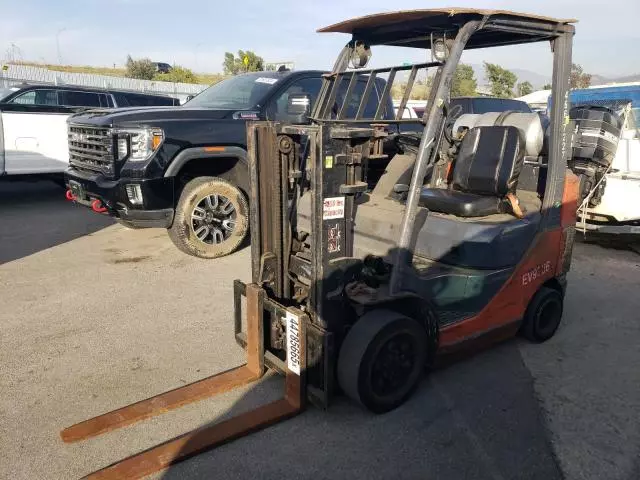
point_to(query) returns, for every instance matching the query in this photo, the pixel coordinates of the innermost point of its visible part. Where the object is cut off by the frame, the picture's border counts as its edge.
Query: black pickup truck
(184, 168)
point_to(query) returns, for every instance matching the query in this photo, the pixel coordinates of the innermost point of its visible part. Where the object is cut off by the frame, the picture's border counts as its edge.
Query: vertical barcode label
(293, 343)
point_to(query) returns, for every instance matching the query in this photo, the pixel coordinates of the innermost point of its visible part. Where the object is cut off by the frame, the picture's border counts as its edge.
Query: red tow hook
(70, 196)
(97, 207)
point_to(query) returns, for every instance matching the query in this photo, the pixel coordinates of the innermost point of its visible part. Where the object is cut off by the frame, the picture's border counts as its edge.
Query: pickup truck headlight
(138, 144)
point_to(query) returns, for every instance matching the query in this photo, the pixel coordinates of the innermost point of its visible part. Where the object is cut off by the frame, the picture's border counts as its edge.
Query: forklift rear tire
(211, 219)
(382, 359)
(543, 315)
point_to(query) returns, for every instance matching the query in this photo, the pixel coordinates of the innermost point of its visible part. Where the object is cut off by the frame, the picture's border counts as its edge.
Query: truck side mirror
(299, 107)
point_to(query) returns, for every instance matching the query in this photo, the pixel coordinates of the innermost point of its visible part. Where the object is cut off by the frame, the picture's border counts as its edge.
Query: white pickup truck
(33, 124)
(33, 141)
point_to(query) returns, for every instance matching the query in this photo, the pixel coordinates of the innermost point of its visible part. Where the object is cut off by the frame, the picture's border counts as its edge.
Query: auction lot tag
(333, 207)
(293, 342)
(268, 80)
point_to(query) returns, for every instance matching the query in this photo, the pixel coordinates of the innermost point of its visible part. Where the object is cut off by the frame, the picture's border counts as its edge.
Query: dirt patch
(137, 259)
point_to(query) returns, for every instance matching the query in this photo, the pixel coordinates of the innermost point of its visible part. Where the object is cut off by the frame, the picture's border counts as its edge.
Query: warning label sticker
(333, 239)
(333, 207)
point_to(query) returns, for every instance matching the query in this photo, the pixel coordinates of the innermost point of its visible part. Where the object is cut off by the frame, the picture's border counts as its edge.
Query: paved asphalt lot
(94, 316)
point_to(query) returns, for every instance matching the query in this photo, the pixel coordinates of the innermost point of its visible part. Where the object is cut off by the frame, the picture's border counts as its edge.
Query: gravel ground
(108, 316)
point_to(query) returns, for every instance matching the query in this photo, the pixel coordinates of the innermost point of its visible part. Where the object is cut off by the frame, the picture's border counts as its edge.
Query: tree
(502, 80)
(578, 78)
(142, 69)
(246, 61)
(524, 88)
(547, 86)
(177, 75)
(420, 90)
(464, 82)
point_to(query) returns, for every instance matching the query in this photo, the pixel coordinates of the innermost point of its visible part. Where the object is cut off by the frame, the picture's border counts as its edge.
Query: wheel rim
(548, 316)
(393, 365)
(213, 219)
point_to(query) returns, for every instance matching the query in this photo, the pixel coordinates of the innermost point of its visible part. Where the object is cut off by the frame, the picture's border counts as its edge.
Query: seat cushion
(489, 161)
(460, 204)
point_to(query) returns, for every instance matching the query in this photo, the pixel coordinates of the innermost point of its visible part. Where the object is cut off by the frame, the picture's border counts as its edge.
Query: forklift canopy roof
(413, 28)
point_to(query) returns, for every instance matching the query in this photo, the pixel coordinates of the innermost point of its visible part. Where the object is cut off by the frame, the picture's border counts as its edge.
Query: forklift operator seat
(486, 171)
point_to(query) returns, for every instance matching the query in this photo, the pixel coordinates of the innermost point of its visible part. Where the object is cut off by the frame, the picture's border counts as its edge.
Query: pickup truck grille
(91, 148)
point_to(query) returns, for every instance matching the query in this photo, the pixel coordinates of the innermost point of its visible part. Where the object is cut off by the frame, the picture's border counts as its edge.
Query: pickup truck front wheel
(211, 219)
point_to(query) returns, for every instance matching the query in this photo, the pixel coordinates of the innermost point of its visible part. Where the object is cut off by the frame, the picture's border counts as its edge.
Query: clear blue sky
(196, 33)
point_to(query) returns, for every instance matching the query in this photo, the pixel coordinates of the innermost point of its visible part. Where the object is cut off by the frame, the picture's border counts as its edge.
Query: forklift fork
(206, 438)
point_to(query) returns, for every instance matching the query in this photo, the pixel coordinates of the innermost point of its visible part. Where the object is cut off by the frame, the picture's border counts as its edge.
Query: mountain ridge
(538, 80)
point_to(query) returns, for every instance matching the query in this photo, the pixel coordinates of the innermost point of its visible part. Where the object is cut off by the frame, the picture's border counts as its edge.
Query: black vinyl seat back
(489, 161)
(486, 171)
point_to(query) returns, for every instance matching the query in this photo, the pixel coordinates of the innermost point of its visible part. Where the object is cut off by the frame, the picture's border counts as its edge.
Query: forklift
(378, 251)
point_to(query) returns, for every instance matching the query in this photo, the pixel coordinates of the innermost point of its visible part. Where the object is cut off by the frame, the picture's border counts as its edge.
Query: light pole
(58, 44)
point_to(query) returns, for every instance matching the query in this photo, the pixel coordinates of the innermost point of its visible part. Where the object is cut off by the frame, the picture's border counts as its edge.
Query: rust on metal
(293, 391)
(190, 444)
(197, 441)
(159, 404)
(206, 438)
(382, 19)
(208, 387)
(255, 335)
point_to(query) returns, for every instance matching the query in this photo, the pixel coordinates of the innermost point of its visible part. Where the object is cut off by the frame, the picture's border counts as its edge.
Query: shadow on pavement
(616, 242)
(476, 419)
(36, 215)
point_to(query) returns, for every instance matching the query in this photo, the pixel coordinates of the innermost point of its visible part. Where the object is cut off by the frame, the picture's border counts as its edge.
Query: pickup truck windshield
(236, 93)
(5, 92)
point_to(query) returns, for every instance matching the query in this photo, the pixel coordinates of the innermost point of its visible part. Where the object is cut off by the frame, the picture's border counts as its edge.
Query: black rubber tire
(543, 315)
(181, 231)
(360, 350)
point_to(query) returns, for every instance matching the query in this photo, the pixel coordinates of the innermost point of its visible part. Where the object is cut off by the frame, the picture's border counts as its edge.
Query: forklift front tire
(543, 315)
(382, 359)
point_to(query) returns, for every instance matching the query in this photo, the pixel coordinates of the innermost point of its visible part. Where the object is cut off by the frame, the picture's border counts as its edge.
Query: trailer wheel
(382, 359)
(211, 218)
(543, 315)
